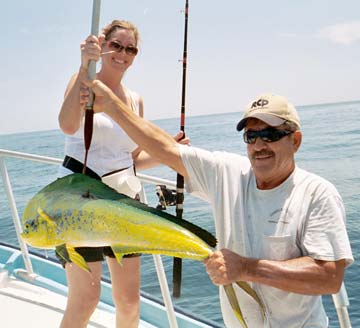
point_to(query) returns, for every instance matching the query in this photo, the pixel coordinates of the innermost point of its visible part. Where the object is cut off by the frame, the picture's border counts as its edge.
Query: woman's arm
(76, 93)
(72, 108)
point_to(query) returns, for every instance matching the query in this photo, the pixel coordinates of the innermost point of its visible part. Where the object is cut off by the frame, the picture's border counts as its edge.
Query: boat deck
(27, 305)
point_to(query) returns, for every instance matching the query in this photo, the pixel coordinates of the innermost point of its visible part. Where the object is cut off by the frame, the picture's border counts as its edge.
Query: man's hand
(104, 97)
(225, 267)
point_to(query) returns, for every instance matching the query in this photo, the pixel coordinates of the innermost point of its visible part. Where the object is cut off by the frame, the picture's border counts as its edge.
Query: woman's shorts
(90, 254)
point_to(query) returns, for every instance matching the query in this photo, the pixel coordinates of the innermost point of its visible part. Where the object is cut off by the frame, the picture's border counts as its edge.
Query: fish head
(39, 231)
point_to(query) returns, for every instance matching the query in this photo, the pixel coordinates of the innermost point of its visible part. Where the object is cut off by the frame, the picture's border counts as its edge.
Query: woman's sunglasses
(116, 46)
(266, 135)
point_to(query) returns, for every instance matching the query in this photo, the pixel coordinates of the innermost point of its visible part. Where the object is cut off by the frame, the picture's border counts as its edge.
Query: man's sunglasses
(266, 135)
(129, 50)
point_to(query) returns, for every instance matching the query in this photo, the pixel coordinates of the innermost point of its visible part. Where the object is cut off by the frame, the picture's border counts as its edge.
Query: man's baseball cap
(272, 109)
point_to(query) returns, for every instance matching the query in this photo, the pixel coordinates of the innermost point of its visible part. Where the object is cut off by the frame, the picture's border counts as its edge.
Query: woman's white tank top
(110, 147)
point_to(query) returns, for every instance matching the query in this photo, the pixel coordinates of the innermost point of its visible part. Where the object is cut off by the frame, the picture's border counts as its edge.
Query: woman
(111, 150)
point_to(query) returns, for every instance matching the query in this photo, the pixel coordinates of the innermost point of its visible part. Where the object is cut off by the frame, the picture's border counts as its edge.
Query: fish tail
(247, 289)
(230, 293)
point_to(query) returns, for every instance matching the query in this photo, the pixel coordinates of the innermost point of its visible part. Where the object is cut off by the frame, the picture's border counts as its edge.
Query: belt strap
(116, 171)
(77, 167)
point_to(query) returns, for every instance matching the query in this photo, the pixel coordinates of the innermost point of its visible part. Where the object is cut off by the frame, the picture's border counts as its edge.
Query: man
(279, 227)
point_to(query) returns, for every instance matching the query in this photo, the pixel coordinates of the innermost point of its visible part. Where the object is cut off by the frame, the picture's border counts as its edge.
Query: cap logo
(259, 103)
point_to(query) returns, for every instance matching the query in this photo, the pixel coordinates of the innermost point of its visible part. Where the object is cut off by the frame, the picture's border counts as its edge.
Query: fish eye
(30, 224)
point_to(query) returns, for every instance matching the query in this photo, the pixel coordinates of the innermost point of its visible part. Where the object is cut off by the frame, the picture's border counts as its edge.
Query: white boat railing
(340, 299)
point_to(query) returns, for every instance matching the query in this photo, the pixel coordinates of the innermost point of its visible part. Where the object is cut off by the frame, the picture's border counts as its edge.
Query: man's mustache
(262, 153)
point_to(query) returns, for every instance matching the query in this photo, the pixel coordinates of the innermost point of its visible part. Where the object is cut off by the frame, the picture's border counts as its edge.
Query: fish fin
(61, 251)
(230, 293)
(76, 258)
(50, 221)
(120, 251)
(247, 289)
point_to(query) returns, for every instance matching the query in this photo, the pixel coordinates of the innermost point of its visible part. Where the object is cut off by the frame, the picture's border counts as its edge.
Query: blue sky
(306, 50)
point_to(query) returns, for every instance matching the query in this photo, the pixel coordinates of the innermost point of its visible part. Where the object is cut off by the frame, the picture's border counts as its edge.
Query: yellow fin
(119, 252)
(46, 217)
(247, 289)
(230, 293)
(76, 258)
(62, 252)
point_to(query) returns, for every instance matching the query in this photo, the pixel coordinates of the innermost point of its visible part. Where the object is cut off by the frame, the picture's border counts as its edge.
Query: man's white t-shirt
(304, 216)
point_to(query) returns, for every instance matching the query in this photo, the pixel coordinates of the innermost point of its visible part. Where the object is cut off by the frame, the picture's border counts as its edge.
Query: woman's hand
(91, 50)
(179, 138)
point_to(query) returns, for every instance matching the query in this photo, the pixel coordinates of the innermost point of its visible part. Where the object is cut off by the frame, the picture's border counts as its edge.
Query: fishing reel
(167, 197)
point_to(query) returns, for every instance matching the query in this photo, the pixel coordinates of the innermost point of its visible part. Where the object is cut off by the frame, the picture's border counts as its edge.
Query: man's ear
(297, 138)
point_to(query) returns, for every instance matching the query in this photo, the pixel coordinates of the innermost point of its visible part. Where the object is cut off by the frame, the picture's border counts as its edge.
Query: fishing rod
(177, 264)
(89, 112)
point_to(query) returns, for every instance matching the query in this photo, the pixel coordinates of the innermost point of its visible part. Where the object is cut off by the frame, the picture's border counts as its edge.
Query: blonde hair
(123, 25)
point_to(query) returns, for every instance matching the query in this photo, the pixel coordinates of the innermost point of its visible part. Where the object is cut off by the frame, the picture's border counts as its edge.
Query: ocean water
(330, 148)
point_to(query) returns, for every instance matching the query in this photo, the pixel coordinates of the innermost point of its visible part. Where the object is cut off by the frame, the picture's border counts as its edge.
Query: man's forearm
(301, 275)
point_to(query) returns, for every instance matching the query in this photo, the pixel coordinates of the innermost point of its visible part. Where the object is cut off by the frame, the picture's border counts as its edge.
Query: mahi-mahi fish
(76, 211)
